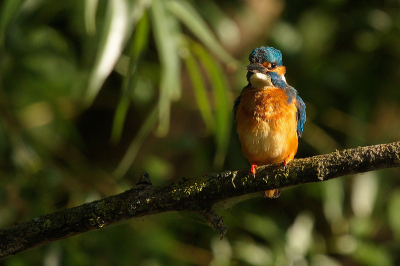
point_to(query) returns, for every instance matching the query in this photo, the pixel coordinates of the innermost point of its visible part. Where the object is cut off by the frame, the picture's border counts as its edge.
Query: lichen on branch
(198, 194)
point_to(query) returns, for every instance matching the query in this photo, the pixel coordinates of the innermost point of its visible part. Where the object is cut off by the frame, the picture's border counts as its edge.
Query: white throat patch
(259, 80)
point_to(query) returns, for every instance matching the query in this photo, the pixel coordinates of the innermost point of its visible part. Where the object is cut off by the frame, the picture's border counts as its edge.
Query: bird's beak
(256, 68)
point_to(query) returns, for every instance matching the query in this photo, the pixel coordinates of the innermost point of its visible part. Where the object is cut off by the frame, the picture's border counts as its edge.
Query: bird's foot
(253, 170)
(287, 160)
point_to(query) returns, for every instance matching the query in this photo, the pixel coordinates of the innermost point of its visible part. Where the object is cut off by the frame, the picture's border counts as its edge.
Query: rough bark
(199, 195)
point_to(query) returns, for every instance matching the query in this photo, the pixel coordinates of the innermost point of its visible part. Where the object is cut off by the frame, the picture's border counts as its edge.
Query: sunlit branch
(199, 195)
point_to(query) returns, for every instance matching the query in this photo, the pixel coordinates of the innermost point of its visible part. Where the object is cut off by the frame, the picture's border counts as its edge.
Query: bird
(269, 113)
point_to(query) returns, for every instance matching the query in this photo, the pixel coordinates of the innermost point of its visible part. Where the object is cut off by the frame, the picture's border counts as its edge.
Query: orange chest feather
(270, 105)
(266, 125)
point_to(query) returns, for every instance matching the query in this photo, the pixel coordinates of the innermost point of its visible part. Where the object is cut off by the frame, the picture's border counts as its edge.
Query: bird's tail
(273, 193)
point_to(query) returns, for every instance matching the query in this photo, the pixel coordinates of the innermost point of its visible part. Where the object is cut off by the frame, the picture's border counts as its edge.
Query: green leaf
(140, 38)
(90, 15)
(8, 10)
(110, 46)
(200, 92)
(165, 29)
(222, 102)
(119, 119)
(192, 19)
(138, 45)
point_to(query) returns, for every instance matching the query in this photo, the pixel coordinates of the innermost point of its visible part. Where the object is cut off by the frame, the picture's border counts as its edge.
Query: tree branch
(197, 195)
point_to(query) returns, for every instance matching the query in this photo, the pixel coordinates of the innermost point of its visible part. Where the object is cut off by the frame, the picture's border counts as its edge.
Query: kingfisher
(269, 113)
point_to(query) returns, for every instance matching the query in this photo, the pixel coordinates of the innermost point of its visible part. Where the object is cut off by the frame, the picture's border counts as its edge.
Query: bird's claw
(253, 170)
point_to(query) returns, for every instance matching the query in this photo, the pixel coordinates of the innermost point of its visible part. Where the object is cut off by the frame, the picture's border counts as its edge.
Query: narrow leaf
(191, 18)
(200, 92)
(90, 15)
(111, 45)
(222, 102)
(8, 10)
(138, 45)
(165, 29)
(119, 119)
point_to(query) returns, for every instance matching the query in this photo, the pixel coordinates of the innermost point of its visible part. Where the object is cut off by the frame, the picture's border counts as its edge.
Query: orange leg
(287, 160)
(253, 169)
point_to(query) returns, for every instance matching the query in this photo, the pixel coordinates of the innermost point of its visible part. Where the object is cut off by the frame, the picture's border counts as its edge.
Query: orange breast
(266, 125)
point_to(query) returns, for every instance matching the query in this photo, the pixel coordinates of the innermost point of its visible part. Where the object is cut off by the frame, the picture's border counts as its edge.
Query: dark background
(93, 92)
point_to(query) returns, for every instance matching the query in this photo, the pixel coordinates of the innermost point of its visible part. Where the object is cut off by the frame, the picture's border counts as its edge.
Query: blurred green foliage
(93, 92)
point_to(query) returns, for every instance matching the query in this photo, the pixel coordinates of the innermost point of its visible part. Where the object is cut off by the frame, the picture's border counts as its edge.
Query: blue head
(265, 54)
(266, 59)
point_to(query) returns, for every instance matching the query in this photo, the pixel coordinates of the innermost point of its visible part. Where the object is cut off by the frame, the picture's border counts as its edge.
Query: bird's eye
(272, 66)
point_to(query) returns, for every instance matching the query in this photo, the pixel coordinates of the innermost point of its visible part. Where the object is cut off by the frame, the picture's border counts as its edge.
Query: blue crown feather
(266, 54)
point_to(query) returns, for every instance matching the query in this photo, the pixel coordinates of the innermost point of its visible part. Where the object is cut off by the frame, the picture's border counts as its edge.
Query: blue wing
(235, 106)
(301, 115)
(277, 80)
(291, 93)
